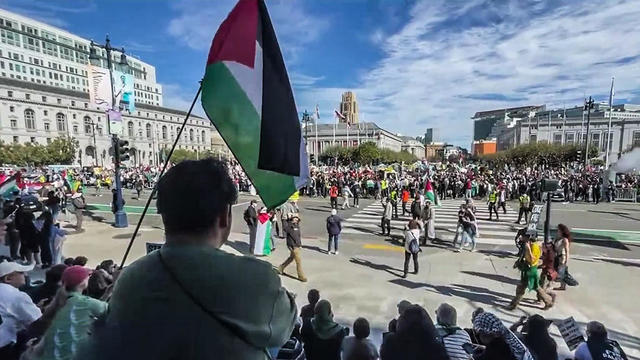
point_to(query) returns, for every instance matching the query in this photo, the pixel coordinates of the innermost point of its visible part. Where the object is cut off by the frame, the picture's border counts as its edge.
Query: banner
(99, 87)
(123, 89)
(115, 122)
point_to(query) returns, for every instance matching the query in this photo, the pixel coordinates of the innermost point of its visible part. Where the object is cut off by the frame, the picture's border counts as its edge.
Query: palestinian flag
(263, 235)
(430, 194)
(247, 96)
(9, 187)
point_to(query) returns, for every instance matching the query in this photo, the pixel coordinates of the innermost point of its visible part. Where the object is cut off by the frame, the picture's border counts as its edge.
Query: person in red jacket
(405, 200)
(333, 196)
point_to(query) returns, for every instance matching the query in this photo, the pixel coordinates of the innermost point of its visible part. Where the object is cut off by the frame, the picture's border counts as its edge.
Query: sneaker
(303, 279)
(335, 253)
(280, 270)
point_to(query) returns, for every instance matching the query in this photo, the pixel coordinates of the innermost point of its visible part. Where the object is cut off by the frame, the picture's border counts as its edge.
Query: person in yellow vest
(524, 208)
(384, 188)
(493, 198)
(527, 263)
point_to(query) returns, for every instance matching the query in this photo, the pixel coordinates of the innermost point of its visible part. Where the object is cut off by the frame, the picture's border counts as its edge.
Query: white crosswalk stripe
(367, 222)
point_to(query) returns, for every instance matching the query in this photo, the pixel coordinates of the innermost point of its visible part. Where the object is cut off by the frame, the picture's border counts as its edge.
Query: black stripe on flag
(280, 129)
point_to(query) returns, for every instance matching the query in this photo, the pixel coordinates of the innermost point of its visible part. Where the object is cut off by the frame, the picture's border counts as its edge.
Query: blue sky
(412, 63)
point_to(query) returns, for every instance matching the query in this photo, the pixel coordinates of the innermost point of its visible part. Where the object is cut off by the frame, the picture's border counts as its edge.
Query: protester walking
(346, 192)
(333, 196)
(385, 222)
(294, 243)
(405, 200)
(493, 198)
(428, 219)
(416, 208)
(411, 246)
(502, 199)
(356, 190)
(524, 208)
(334, 227)
(79, 203)
(562, 245)
(251, 218)
(528, 263)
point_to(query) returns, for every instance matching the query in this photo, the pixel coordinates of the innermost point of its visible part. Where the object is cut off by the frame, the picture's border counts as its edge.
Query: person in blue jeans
(334, 227)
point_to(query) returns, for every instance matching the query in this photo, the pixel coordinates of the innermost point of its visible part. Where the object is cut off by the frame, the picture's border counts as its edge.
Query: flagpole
(316, 146)
(606, 157)
(155, 186)
(348, 126)
(549, 129)
(564, 122)
(334, 130)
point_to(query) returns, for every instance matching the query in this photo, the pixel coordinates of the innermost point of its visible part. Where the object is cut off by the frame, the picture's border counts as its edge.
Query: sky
(413, 64)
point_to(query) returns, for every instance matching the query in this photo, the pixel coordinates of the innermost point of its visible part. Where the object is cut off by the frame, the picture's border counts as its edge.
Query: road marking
(240, 204)
(611, 231)
(383, 247)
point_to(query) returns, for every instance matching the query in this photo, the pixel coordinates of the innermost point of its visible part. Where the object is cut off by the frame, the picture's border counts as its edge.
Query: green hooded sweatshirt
(151, 317)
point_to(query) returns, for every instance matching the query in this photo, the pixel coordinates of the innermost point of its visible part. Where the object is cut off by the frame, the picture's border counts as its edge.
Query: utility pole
(588, 106)
(606, 156)
(120, 214)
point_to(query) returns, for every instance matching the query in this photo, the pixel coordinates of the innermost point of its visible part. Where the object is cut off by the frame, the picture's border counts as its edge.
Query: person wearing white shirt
(17, 310)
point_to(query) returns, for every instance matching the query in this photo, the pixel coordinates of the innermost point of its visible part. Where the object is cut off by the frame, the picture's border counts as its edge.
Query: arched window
(148, 131)
(191, 135)
(130, 129)
(88, 129)
(61, 122)
(164, 132)
(29, 119)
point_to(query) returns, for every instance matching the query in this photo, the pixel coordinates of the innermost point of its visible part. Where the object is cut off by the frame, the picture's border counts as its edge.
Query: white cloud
(197, 21)
(449, 61)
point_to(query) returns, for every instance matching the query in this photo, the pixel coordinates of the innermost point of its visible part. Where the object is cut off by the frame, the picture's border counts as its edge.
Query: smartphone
(468, 348)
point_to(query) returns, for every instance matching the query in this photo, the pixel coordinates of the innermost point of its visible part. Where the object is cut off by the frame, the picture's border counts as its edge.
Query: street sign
(570, 332)
(115, 122)
(532, 229)
(153, 247)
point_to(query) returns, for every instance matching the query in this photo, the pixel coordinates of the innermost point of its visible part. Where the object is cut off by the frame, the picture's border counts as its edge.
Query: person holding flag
(263, 246)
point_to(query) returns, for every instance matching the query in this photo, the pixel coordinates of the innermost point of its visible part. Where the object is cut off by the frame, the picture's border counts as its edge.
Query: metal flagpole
(348, 126)
(564, 122)
(334, 129)
(155, 186)
(606, 156)
(582, 124)
(316, 146)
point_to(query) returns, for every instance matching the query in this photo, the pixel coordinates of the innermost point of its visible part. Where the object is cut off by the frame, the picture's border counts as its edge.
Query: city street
(365, 278)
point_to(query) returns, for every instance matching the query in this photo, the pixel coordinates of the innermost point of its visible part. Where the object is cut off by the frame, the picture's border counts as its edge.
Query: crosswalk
(367, 222)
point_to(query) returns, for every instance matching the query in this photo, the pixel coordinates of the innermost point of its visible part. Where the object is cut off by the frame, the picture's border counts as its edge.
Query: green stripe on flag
(235, 117)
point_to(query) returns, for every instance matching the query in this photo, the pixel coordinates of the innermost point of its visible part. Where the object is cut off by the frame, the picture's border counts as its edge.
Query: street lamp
(94, 58)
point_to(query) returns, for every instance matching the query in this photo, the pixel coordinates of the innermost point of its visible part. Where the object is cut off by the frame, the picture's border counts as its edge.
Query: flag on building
(317, 113)
(339, 115)
(247, 96)
(430, 193)
(263, 235)
(612, 93)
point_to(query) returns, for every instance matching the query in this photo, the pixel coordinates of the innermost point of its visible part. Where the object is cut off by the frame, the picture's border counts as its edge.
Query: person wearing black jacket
(294, 243)
(334, 227)
(251, 218)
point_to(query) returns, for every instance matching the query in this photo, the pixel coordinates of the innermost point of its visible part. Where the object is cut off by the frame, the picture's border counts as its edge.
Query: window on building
(33, 139)
(569, 138)
(59, 101)
(73, 103)
(595, 139)
(61, 122)
(533, 139)
(45, 112)
(29, 119)
(75, 129)
(191, 135)
(12, 108)
(27, 96)
(164, 132)
(16, 139)
(14, 123)
(44, 99)
(203, 137)
(149, 132)
(88, 128)
(47, 126)
(9, 93)
(48, 141)
(99, 131)
(130, 130)
(557, 138)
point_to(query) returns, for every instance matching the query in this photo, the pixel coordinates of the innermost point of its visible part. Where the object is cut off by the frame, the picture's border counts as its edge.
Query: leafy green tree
(366, 154)
(62, 150)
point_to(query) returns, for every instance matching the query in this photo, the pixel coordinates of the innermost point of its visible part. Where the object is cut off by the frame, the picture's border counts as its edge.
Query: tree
(366, 153)
(61, 150)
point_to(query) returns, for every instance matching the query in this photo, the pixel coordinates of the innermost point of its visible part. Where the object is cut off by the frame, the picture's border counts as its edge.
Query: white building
(340, 135)
(413, 146)
(33, 113)
(44, 94)
(39, 53)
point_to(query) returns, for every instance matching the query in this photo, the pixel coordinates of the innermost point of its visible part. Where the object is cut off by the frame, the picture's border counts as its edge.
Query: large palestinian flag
(430, 193)
(247, 96)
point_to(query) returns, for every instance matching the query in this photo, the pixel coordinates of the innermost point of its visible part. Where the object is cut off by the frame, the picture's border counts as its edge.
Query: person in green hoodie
(191, 300)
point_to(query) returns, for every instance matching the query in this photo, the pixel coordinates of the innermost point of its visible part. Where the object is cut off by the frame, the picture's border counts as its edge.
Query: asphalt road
(609, 230)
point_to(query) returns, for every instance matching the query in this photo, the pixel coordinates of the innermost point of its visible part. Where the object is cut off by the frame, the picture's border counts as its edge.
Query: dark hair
(80, 260)
(106, 265)
(193, 195)
(538, 339)
(313, 296)
(69, 261)
(565, 232)
(361, 328)
(54, 274)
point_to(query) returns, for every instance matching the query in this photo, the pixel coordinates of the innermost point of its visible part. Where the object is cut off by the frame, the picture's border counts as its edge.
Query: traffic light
(121, 150)
(312, 158)
(579, 155)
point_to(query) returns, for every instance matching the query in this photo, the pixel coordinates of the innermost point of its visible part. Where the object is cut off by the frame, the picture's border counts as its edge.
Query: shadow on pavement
(621, 262)
(472, 293)
(618, 213)
(240, 246)
(496, 277)
(502, 254)
(598, 240)
(125, 236)
(381, 267)
(315, 248)
(324, 209)
(366, 230)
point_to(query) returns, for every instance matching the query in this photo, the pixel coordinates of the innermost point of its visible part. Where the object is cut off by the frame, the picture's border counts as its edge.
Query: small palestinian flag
(430, 194)
(247, 96)
(263, 235)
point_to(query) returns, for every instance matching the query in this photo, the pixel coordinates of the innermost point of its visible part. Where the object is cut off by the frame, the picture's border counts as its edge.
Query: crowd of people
(186, 295)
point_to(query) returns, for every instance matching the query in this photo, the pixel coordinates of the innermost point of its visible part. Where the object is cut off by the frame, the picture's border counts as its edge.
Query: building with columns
(35, 113)
(321, 136)
(413, 146)
(44, 94)
(569, 126)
